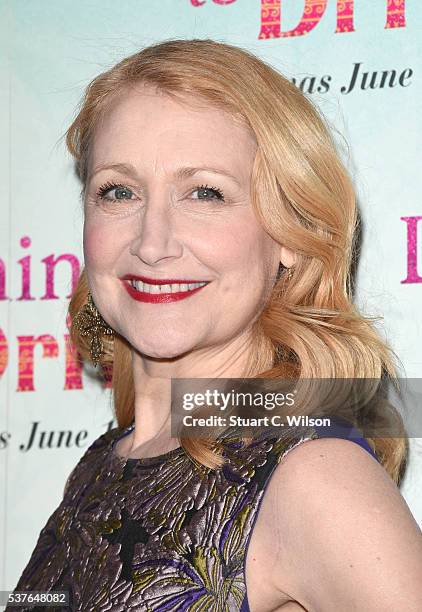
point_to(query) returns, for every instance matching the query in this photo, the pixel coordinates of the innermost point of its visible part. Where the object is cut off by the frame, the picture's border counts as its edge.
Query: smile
(161, 291)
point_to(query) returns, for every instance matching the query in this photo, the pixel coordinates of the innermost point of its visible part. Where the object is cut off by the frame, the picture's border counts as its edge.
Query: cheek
(243, 257)
(99, 245)
(243, 249)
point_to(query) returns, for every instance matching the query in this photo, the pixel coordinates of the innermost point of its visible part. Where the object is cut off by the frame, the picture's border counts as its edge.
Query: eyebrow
(180, 173)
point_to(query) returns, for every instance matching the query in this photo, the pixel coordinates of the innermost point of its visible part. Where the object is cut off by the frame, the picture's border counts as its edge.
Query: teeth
(174, 288)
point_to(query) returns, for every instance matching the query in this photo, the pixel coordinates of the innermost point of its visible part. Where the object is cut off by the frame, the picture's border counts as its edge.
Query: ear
(287, 257)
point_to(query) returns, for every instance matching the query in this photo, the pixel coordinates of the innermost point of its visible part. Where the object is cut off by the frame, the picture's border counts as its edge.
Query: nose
(155, 238)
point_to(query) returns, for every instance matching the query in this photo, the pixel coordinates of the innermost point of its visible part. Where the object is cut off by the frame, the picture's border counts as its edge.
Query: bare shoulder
(344, 534)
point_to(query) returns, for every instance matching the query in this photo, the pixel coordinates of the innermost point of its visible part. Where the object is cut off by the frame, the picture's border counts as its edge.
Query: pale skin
(333, 532)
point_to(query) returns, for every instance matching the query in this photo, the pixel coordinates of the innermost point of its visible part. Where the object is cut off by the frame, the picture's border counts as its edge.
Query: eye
(121, 192)
(124, 193)
(206, 191)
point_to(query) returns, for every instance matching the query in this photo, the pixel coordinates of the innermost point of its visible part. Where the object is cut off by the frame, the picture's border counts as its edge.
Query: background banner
(359, 61)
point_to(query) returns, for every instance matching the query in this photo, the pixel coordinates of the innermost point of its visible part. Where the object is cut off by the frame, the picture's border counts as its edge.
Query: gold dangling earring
(89, 322)
(284, 270)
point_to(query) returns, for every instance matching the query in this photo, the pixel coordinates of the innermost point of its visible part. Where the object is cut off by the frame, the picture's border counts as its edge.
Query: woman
(218, 240)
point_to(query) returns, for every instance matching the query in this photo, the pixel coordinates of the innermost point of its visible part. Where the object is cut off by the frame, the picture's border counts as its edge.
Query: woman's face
(168, 198)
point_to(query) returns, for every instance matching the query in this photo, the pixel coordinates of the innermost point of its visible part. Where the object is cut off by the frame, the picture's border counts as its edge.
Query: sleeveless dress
(159, 533)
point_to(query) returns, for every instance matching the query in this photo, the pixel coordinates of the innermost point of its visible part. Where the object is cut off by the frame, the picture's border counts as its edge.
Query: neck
(152, 380)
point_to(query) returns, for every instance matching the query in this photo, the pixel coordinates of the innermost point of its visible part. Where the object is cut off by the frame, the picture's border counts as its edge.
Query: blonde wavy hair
(305, 200)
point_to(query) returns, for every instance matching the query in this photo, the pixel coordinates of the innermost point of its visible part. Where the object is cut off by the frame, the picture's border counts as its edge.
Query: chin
(162, 347)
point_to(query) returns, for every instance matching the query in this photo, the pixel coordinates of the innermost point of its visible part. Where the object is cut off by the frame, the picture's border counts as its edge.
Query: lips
(159, 291)
(165, 281)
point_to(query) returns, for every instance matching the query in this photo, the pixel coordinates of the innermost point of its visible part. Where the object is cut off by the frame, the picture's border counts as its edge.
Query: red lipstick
(159, 298)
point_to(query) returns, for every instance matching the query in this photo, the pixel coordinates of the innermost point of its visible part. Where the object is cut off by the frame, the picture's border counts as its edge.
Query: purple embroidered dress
(160, 533)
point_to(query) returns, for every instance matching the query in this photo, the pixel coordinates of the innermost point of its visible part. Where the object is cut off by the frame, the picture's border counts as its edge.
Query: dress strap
(340, 428)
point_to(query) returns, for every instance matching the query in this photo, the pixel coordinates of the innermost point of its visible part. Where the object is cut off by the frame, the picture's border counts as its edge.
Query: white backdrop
(50, 51)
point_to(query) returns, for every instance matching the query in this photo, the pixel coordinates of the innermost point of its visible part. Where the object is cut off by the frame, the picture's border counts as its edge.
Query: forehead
(147, 127)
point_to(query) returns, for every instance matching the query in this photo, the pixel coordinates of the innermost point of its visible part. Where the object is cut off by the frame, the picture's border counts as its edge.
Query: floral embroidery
(154, 534)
